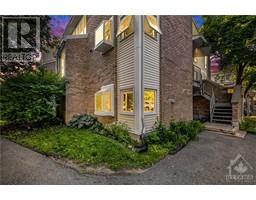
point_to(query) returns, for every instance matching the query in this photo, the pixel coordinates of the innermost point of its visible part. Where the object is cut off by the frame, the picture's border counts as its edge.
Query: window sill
(127, 113)
(150, 113)
(105, 114)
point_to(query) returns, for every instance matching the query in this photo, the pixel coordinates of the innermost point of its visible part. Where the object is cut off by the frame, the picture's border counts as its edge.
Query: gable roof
(73, 21)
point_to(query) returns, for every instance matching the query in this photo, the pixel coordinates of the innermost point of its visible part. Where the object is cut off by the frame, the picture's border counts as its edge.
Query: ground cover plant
(249, 125)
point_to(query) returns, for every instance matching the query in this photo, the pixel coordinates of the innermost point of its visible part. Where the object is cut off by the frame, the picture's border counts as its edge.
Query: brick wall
(86, 71)
(201, 108)
(176, 68)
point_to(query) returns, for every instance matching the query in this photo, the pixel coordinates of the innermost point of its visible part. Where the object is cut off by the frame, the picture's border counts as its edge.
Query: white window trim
(105, 88)
(155, 103)
(112, 33)
(121, 101)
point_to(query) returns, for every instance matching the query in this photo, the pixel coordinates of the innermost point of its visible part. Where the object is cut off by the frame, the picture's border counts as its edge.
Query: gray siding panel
(151, 76)
(125, 75)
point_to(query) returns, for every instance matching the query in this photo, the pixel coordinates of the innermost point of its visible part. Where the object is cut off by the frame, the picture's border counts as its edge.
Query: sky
(59, 22)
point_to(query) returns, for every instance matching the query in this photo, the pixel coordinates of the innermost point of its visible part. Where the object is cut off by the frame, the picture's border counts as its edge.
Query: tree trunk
(239, 74)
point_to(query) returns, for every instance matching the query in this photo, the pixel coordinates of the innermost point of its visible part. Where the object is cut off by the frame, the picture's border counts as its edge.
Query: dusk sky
(59, 22)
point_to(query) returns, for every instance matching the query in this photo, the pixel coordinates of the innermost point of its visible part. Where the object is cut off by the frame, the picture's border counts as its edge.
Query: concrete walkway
(203, 161)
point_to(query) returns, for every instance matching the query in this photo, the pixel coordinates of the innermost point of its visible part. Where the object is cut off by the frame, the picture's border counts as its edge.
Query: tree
(233, 38)
(249, 79)
(31, 97)
(47, 40)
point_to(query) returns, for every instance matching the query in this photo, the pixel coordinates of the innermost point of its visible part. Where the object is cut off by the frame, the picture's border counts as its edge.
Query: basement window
(151, 26)
(104, 36)
(126, 26)
(149, 100)
(80, 28)
(104, 101)
(127, 100)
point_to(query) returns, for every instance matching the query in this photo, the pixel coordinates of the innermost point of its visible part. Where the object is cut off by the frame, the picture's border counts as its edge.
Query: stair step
(223, 104)
(222, 117)
(224, 109)
(222, 120)
(222, 113)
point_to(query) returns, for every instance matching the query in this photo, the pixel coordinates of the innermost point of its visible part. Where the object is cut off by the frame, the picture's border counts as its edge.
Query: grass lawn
(84, 147)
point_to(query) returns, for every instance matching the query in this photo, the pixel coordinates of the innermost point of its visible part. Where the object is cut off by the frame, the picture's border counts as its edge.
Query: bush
(120, 132)
(82, 121)
(31, 97)
(176, 134)
(249, 125)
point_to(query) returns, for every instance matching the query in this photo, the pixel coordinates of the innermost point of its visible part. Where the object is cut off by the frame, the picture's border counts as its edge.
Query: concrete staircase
(222, 113)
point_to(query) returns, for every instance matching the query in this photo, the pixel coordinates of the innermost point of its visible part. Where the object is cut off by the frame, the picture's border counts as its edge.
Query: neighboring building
(48, 59)
(134, 69)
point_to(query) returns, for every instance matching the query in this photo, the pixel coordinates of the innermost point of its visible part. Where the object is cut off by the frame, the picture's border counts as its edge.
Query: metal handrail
(212, 105)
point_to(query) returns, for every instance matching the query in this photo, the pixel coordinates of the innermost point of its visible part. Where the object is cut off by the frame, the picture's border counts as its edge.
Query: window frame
(121, 35)
(157, 32)
(84, 17)
(121, 101)
(155, 102)
(109, 42)
(106, 88)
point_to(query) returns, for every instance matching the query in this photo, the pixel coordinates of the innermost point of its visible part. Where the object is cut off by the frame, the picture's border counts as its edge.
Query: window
(151, 26)
(62, 63)
(80, 28)
(126, 26)
(103, 36)
(149, 100)
(205, 62)
(104, 101)
(127, 101)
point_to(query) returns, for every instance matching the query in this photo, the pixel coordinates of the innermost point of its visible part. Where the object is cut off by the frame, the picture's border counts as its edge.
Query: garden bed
(84, 148)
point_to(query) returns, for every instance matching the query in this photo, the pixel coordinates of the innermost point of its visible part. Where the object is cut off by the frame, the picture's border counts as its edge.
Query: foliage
(82, 121)
(175, 135)
(86, 148)
(31, 97)
(249, 125)
(233, 38)
(120, 132)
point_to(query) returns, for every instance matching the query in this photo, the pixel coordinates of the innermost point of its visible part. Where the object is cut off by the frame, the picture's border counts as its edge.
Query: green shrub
(249, 125)
(120, 132)
(176, 134)
(31, 97)
(82, 121)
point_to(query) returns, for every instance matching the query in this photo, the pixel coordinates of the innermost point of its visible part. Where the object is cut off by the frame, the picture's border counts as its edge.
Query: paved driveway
(203, 161)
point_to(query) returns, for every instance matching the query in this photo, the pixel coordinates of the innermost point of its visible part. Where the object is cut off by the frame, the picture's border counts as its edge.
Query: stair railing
(212, 105)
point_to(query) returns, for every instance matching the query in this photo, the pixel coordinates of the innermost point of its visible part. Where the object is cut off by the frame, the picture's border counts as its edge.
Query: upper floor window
(104, 101)
(126, 26)
(80, 28)
(151, 26)
(149, 100)
(127, 101)
(62, 63)
(104, 36)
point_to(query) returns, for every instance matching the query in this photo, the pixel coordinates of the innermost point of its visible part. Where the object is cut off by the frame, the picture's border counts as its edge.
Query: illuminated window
(126, 26)
(127, 101)
(104, 101)
(149, 100)
(151, 26)
(103, 36)
(62, 63)
(80, 28)
(205, 61)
